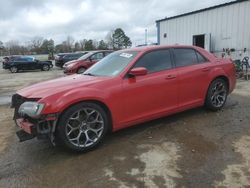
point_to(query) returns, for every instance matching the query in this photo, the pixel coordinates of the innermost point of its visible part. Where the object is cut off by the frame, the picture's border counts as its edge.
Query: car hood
(64, 84)
(72, 62)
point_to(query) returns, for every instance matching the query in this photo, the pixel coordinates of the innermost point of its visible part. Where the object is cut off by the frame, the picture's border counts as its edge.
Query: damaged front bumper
(42, 127)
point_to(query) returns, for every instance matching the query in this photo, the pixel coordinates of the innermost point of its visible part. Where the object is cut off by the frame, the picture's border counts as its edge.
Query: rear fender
(213, 74)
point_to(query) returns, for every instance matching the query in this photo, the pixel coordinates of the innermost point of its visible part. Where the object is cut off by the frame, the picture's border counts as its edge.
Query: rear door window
(185, 57)
(201, 58)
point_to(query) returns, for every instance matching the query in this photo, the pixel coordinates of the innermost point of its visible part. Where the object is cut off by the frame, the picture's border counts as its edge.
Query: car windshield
(112, 64)
(86, 55)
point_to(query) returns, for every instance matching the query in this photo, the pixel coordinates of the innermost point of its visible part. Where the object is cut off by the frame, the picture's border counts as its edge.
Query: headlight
(70, 65)
(32, 109)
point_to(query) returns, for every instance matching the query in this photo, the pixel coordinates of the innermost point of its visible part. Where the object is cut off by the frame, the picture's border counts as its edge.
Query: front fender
(59, 102)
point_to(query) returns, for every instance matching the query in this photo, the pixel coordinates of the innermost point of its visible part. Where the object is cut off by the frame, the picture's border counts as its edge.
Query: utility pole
(146, 37)
(1, 48)
(112, 37)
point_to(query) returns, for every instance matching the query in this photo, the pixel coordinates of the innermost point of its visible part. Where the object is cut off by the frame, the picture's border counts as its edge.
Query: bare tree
(13, 47)
(36, 43)
(70, 43)
(83, 43)
(77, 46)
(109, 39)
(95, 44)
(1, 48)
(1, 45)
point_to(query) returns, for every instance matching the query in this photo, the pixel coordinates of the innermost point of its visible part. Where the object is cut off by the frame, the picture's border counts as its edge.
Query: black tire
(13, 69)
(45, 68)
(81, 70)
(68, 138)
(216, 94)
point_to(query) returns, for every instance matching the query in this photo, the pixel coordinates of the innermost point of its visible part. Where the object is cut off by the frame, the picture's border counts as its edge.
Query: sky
(22, 20)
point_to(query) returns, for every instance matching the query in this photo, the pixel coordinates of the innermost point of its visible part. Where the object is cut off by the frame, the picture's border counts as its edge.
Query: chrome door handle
(206, 69)
(169, 77)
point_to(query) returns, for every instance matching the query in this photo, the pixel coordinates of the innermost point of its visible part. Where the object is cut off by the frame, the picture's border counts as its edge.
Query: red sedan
(83, 63)
(127, 87)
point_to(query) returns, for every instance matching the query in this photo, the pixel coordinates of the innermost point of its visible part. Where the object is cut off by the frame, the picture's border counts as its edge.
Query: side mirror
(138, 71)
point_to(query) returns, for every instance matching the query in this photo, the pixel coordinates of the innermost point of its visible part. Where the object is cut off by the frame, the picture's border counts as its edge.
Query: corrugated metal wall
(229, 27)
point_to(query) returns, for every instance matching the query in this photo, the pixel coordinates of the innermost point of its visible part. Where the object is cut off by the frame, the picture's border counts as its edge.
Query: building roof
(201, 10)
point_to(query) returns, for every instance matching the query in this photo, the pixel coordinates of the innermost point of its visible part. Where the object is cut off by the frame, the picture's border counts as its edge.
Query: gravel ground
(196, 148)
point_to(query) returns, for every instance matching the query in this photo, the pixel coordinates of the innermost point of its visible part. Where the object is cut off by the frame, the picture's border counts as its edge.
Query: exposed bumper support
(43, 129)
(23, 136)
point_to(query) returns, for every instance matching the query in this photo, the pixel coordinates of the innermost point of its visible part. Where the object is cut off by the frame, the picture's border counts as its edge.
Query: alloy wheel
(219, 94)
(84, 127)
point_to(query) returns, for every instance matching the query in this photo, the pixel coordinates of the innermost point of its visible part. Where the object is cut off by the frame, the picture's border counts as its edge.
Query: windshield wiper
(89, 74)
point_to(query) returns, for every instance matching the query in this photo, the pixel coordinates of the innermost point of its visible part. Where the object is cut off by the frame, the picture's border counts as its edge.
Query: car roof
(94, 51)
(155, 47)
(63, 53)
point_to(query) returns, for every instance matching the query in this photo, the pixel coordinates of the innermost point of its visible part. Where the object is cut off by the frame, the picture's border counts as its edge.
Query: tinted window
(97, 56)
(155, 61)
(185, 57)
(73, 56)
(67, 56)
(201, 59)
(78, 55)
(107, 53)
(29, 59)
(25, 59)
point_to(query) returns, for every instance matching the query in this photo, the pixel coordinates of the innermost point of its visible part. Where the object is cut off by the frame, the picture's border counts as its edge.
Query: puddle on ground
(237, 175)
(160, 167)
(5, 98)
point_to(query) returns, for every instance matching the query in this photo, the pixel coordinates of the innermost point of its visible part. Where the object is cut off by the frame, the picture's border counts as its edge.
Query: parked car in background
(16, 64)
(125, 88)
(63, 58)
(59, 56)
(7, 59)
(83, 63)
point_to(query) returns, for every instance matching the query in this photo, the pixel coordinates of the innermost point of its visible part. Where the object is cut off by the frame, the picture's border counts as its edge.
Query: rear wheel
(81, 70)
(82, 126)
(216, 95)
(45, 67)
(14, 69)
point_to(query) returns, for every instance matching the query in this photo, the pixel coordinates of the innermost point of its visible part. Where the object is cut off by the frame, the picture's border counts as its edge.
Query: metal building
(223, 29)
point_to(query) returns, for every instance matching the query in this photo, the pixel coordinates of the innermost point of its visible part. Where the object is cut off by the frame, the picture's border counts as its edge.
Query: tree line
(115, 40)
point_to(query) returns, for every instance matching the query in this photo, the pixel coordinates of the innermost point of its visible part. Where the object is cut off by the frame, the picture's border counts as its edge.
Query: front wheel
(82, 126)
(216, 95)
(81, 70)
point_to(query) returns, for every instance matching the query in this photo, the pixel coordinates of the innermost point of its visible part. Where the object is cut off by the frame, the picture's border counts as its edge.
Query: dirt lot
(196, 148)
